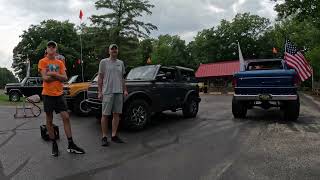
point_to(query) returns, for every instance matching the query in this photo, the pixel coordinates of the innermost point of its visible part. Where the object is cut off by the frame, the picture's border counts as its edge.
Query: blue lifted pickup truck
(266, 83)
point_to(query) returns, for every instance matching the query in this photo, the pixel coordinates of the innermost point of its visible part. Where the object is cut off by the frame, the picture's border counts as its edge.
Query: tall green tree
(123, 18)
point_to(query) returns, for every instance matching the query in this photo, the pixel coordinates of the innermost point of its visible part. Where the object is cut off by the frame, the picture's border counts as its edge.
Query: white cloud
(182, 17)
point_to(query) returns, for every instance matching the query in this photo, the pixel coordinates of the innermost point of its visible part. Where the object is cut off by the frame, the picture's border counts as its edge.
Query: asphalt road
(211, 146)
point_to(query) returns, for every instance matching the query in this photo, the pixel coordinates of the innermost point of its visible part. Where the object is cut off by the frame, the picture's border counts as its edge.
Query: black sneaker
(72, 148)
(55, 149)
(104, 141)
(116, 139)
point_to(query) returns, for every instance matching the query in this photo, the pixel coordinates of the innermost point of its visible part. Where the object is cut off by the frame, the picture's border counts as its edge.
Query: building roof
(225, 68)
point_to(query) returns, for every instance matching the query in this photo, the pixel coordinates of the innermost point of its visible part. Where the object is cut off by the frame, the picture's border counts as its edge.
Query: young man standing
(53, 73)
(112, 90)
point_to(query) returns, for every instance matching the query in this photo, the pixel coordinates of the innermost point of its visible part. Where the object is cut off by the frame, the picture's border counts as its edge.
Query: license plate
(264, 97)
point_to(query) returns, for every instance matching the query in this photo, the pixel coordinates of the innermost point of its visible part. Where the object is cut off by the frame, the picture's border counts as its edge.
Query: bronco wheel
(14, 96)
(137, 114)
(191, 108)
(291, 110)
(239, 108)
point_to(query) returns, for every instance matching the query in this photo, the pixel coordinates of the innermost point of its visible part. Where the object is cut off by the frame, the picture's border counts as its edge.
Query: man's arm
(100, 85)
(60, 77)
(125, 90)
(45, 77)
(100, 82)
(124, 85)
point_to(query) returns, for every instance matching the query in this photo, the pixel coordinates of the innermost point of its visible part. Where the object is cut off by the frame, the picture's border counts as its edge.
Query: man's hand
(52, 74)
(100, 96)
(125, 93)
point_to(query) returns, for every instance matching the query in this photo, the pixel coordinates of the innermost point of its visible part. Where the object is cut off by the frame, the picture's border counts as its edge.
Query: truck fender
(18, 90)
(139, 94)
(188, 95)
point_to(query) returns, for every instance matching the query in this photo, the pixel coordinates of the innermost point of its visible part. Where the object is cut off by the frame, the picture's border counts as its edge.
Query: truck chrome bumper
(268, 97)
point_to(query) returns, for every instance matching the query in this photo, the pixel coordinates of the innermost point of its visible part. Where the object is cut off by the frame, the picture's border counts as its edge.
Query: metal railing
(316, 91)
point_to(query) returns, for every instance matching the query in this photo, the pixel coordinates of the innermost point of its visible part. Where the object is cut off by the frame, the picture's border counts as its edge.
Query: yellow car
(75, 92)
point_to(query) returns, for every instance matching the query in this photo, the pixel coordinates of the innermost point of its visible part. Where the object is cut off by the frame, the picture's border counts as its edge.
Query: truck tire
(14, 96)
(137, 114)
(239, 108)
(191, 108)
(291, 110)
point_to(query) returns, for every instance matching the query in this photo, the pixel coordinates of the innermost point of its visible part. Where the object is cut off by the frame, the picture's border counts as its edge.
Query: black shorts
(54, 103)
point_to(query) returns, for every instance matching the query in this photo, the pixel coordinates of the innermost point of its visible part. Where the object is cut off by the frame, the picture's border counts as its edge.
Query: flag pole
(81, 50)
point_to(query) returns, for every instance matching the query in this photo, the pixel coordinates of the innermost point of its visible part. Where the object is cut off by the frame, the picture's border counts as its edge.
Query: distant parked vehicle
(266, 83)
(75, 92)
(27, 87)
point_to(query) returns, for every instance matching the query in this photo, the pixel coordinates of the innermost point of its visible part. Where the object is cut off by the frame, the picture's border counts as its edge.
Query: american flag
(296, 60)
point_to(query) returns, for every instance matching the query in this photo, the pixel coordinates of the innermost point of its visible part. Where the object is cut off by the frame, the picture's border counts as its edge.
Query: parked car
(27, 87)
(266, 83)
(153, 89)
(75, 92)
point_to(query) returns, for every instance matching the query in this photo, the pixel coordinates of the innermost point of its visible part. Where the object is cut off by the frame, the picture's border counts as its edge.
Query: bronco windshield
(72, 79)
(142, 73)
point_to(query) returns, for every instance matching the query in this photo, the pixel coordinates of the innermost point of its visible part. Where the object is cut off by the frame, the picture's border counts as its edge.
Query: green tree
(123, 18)
(6, 76)
(220, 43)
(33, 45)
(145, 50)
(299, 9)
(170, 50)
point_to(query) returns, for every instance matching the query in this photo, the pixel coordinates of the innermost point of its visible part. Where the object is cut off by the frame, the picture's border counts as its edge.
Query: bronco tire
(137, 114)
(239, 108)
(191, 107)
(14, 96)
(291, 110)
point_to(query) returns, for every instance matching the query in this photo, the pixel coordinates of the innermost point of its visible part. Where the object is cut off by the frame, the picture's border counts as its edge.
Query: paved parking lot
(211, 146)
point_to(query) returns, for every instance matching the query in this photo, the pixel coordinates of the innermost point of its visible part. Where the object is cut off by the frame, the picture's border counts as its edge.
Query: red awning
(226, 68)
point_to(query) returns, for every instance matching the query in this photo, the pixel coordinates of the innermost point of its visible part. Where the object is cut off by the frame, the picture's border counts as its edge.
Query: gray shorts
(112, 103)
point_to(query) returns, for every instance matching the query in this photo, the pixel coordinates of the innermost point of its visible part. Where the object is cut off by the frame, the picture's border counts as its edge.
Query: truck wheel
(137, 114)
(291, 110)
(191, 108)
(239, 108)
(80, 107)
(14, 96)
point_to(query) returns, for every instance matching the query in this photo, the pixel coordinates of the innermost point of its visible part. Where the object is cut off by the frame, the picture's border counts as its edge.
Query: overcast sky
(182, 17)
